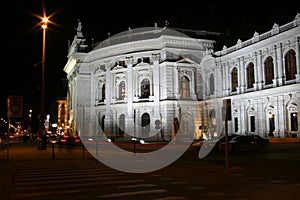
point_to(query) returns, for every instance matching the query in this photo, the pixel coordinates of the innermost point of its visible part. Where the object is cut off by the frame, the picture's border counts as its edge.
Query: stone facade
(143, 82)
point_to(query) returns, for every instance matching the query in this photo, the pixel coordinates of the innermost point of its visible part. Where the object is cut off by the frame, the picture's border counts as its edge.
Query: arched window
(211, 84)
(145, 124)
(234, 79)
(199, 86)
(122, 90)
(103, 92)
(121, 125)
(290, 65)
(102, 123)
(271, 124)
(99, 90)
(269, 70)
(294, 121)
(250, 75)
(185, 87)
(145, 88)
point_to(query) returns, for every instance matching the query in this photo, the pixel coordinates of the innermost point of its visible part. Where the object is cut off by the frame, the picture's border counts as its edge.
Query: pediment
(187, 61)
(117, 67)
(142, 64)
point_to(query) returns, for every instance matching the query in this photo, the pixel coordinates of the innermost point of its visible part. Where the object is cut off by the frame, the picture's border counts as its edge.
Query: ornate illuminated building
(62, 117)
(144, 80)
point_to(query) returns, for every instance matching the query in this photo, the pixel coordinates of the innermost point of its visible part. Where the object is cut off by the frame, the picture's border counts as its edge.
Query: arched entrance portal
(145, 125)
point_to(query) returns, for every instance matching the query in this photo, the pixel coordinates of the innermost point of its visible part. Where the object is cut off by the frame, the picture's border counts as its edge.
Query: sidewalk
(19, 152)
(275, 140)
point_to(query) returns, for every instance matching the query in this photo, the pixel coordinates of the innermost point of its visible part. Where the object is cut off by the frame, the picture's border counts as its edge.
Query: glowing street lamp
(44, 26)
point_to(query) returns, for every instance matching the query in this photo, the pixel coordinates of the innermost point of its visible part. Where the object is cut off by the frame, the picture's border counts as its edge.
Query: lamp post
(44, 27)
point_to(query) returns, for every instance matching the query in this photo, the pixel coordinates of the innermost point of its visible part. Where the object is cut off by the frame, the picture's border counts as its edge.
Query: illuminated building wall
(130, 81)
(62, 116)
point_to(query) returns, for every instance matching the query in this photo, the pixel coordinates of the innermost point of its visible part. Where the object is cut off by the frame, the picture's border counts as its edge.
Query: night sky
(22, 35)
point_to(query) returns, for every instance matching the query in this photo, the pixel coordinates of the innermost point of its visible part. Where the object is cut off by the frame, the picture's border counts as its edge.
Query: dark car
(246, 143)
(214, 143)
(70, 140)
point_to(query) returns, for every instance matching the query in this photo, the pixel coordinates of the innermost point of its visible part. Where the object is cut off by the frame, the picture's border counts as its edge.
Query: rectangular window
(252, 123)
(294, 122)
(236, 124)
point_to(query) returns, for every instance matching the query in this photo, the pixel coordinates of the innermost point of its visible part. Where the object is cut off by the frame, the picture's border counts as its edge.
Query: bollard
(83, 153)
(53, 152)
(96, 149)
(7, 152)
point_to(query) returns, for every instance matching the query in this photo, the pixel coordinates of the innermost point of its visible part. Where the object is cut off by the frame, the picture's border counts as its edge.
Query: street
(75, 174)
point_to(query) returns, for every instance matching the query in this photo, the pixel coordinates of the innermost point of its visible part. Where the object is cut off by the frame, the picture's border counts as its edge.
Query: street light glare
(44, 22)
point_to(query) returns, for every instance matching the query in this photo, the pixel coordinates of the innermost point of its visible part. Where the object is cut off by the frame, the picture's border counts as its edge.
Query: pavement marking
(296, 184)
(215, 194)
(238, 174)
(132, 193)
(256, 177)
(178, 182)
(44, 193)
(121, 181)
(172, 198)
(196, 187)
(278, 181)
(137, 186)
(167, 179)
(61, 181)
(56, 187)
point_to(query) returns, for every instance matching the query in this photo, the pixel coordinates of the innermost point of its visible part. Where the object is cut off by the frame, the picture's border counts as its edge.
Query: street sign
(15, 106)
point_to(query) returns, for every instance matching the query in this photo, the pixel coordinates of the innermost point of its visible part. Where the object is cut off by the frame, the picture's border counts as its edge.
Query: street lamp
(44, 27)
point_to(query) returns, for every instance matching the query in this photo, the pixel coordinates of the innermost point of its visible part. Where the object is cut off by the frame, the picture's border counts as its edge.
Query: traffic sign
(15, 106)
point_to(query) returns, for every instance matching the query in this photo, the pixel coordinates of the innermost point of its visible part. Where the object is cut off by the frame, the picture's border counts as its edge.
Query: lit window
(185, 87)
(234, 80)
(269, 70)
(290, 65)
(250, 75)
(122, 90)
(145, 88)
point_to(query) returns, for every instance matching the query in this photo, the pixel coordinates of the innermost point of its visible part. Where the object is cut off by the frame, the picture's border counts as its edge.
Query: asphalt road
(29, 173)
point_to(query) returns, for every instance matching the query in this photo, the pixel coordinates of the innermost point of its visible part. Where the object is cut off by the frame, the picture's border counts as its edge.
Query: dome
(132, 35)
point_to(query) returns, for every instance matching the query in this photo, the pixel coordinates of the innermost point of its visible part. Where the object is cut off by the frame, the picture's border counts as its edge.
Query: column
(176, 83)
(239, 79)
(226, 80)
(156, 85)
(193, 84)
(108, 115)
(261, 116)
(281, 115)
(130, 92)
(243, 118)
(275, 67)
(298, 61)
(257, 125)
(256, 72)
(298, 112)
(260, 70)
(242, 75)
(280, 65)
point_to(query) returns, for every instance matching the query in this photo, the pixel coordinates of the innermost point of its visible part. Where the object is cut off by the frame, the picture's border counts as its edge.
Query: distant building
(62, 115)
(153, 80)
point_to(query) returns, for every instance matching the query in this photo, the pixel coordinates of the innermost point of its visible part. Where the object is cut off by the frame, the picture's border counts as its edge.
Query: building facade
(151, 82)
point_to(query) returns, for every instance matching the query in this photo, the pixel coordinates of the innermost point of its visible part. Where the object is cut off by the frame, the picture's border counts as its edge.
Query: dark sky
(22, 37)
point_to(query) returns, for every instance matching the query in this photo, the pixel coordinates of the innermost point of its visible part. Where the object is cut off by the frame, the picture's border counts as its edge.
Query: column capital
(129, 60)
(155, 56)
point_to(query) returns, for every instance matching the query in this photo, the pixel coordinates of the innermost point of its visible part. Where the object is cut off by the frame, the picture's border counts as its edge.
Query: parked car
(70, 140)
(246, 143)
(212, 144)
